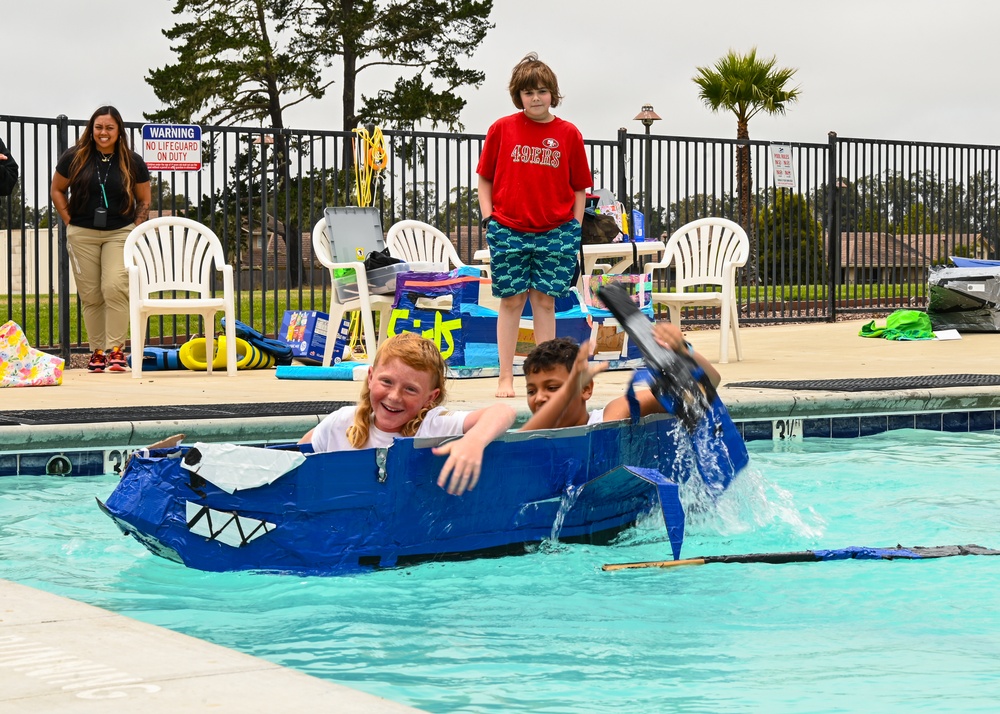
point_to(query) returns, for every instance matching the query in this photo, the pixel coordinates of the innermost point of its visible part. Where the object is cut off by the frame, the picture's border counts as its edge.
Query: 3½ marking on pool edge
(114, 460)
(786, 429)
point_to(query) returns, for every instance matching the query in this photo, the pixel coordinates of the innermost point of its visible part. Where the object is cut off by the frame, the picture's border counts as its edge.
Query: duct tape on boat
(238, 468)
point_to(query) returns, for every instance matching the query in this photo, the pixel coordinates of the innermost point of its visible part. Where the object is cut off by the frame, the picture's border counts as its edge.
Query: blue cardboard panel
(430, 304)
(443, 307)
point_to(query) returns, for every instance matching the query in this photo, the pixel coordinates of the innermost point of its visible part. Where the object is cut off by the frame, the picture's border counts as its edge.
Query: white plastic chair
(417, 242)
(365, 302)
(174, 254)
(706, 252)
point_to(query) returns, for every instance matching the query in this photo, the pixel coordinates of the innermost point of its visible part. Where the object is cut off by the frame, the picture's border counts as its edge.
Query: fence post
(833, 226)
(622, 188)
(647, 191)
(62, 144)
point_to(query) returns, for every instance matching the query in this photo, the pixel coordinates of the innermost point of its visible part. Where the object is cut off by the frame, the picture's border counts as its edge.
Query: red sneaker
(97, 361)
(116, 360)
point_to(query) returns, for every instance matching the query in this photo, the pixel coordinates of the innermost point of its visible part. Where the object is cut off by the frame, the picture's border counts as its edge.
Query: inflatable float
(194, 355)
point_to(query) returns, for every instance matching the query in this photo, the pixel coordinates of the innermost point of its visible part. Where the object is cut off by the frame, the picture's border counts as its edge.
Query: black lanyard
(103, 179)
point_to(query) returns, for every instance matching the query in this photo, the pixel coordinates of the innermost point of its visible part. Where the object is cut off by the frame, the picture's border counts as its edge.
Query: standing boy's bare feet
(505, 388)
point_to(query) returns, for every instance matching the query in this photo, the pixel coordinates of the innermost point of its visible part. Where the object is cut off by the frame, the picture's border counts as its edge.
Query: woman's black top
(119, 215)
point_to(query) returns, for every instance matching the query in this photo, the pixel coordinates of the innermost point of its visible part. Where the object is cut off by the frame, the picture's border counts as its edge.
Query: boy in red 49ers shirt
(533, 181)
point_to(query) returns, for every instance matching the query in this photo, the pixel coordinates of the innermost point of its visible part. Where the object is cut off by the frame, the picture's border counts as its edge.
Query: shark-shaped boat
(222, 507)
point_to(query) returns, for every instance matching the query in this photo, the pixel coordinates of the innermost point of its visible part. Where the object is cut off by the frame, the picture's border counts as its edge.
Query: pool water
(551, 632)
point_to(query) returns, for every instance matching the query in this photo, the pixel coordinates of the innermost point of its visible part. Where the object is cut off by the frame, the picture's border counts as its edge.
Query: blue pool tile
(756, 430)
(900, 421)
(33, 464)
(818, 428)
(845, 427)
(8, 464)
(931, 422)
(955, 421)
(870, 425)
(982, 421)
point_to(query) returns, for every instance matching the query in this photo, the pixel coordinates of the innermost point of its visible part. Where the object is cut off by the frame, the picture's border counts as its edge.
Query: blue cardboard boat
(226, 507)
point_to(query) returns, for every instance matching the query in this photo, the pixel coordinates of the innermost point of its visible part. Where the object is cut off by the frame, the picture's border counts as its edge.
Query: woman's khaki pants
(98, 260)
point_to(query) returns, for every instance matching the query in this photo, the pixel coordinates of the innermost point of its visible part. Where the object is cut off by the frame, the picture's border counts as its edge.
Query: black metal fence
(893, 209)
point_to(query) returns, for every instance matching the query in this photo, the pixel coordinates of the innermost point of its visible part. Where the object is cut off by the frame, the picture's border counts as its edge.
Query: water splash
(567, 502)
(749, 503)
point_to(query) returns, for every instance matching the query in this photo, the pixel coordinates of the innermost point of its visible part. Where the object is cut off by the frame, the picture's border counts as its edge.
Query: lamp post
(647, 116)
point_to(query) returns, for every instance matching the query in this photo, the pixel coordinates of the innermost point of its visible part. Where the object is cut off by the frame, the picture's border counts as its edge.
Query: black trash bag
(380, 259)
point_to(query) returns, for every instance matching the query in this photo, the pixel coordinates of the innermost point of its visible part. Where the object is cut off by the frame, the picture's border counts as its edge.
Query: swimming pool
(550, 632)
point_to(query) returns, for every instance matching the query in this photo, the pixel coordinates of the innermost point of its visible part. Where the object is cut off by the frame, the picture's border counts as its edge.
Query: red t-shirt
(535, 168)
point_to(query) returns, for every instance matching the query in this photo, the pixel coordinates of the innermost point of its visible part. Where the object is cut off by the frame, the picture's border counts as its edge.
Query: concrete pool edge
(760, 404)
(59, 654)
(745, 405)
(136, 434)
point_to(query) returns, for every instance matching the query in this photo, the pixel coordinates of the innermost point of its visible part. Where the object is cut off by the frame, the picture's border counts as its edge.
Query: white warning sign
(781, 161)
(171, 147)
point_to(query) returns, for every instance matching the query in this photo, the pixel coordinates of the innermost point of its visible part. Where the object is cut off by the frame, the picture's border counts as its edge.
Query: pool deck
(772, 353)
(59, 655)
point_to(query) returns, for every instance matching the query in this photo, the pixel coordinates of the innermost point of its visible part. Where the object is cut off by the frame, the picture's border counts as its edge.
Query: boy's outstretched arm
(460, 472)
(550, 414)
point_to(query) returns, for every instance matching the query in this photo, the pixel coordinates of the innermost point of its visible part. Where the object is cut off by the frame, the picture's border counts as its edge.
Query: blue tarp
(973, 262)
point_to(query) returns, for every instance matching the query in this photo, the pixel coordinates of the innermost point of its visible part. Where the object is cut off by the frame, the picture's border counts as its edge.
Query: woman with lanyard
(101, 191)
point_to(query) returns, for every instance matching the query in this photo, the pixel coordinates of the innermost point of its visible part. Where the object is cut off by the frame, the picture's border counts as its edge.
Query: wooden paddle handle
(653, 564)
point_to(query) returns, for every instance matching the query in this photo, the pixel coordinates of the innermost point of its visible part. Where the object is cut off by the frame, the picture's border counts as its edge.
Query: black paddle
(813, 556)
(674, 381)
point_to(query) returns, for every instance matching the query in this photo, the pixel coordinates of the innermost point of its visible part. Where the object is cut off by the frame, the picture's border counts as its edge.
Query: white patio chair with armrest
(365, 302)
(705, 252)
(169, 255)
(418, 242)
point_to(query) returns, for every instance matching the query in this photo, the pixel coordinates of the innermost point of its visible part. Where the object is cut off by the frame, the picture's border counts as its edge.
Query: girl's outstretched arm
(465, 455)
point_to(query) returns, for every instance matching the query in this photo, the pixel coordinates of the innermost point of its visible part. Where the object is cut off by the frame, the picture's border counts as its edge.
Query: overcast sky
(919, 70)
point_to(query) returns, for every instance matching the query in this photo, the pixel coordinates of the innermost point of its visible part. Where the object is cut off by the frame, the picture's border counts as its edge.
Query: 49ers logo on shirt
(544, 155)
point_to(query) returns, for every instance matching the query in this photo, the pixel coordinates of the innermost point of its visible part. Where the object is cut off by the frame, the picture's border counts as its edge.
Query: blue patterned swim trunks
(544, 261)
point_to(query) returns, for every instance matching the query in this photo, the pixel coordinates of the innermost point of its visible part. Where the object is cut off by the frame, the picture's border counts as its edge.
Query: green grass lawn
(263, 311)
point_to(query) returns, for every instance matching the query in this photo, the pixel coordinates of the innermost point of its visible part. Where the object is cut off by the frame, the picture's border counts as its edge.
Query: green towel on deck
(901, 325)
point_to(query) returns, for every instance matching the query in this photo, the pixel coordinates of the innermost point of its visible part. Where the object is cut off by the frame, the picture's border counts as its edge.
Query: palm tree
(745, 85)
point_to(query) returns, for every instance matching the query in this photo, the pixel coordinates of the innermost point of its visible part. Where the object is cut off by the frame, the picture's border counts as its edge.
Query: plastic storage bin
(381, 281)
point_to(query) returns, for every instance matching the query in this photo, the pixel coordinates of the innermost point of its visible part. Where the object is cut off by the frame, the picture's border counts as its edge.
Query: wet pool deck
(154, 670)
